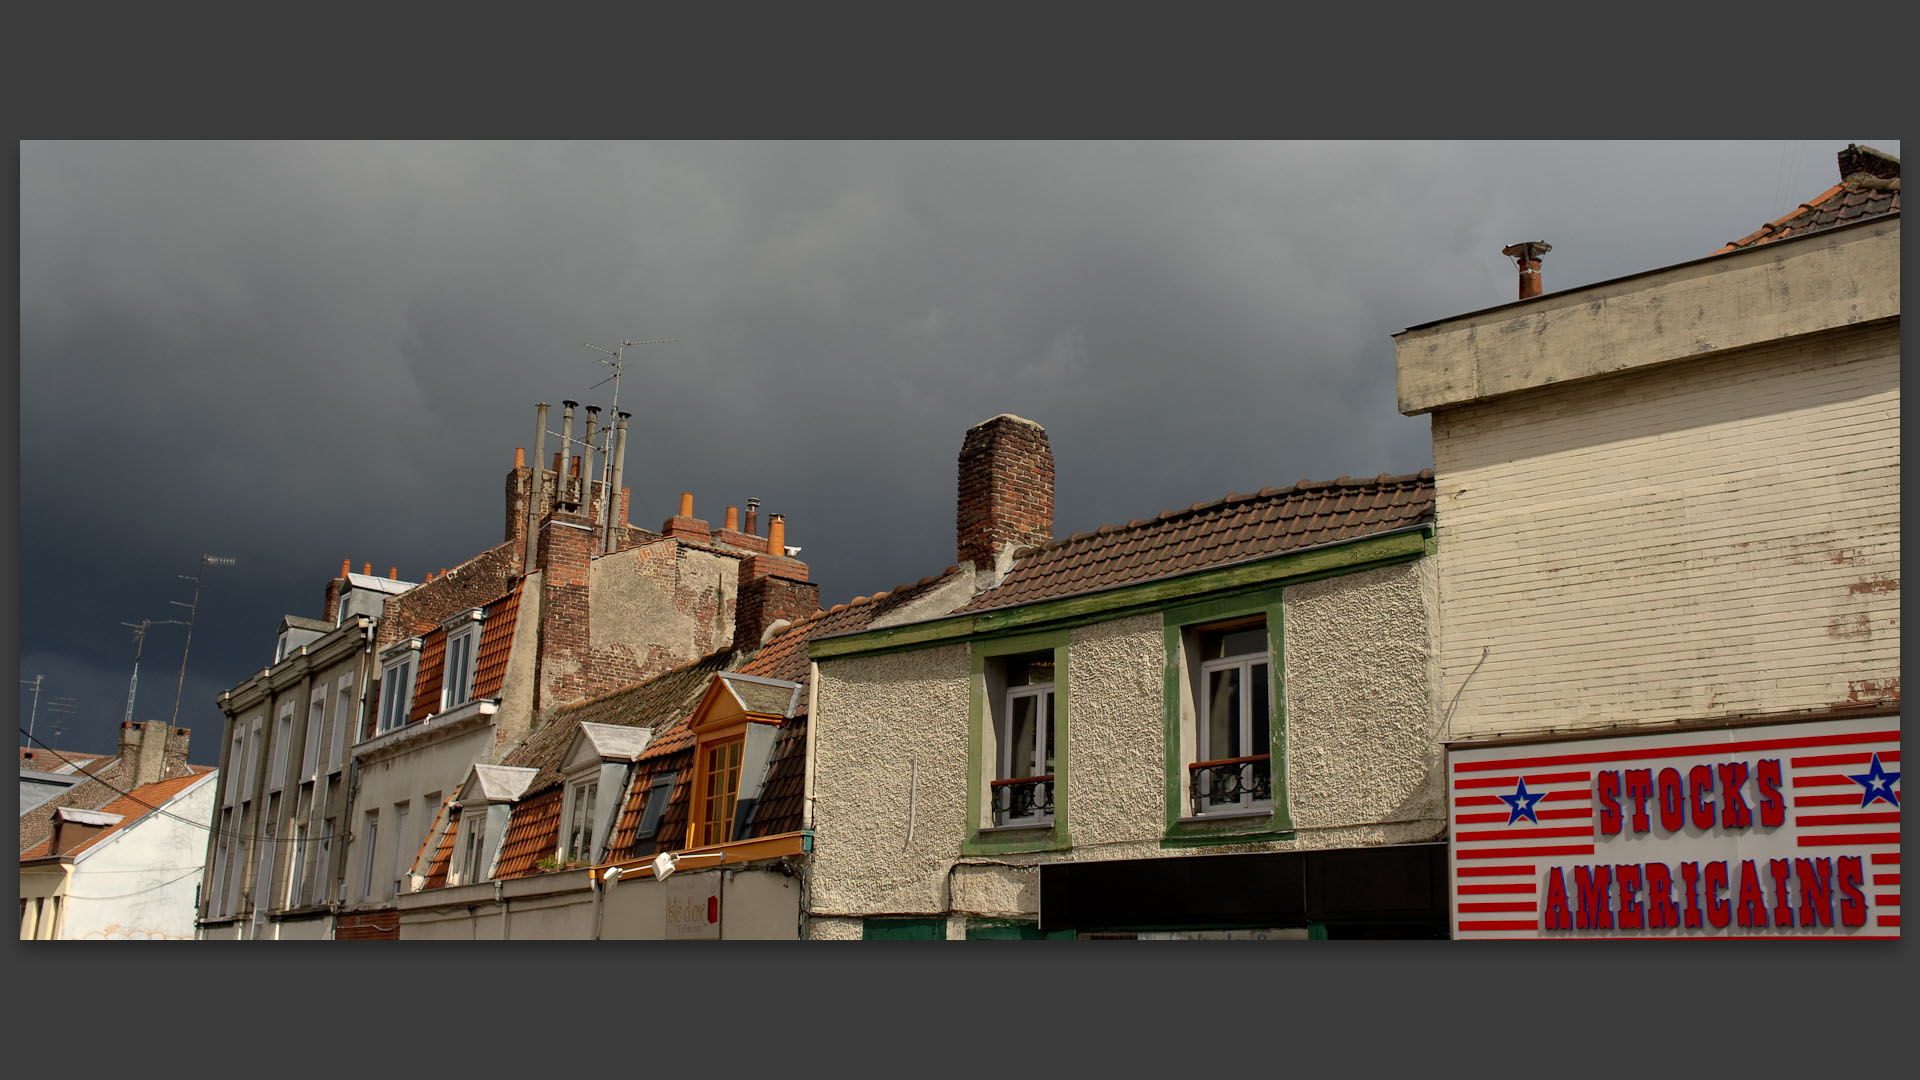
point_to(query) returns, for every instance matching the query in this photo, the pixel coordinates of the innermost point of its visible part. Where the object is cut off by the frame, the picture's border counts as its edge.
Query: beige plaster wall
(1708, 538)
(1362, 757)
(890, 758)
(833, 928)
(661, 604)
(1770, 293)
(1359, 699)
(437, 766)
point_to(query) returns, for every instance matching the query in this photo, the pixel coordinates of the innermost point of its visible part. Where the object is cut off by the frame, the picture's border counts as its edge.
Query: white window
(463, 645)
(253, 753)
(402, 848)
(296, 875)
(235, 764)
(396, 686)
(316, 722)
(1233, 771)
(1022, 787)
(373, 835)
(470, 846)
(283, 739)
(344, 721)
(323, 863)
(577, 841)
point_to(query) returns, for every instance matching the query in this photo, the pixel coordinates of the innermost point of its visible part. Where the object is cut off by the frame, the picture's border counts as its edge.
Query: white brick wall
(1711, 537)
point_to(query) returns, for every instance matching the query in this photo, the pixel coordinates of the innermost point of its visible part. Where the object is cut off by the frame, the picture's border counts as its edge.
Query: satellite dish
(663, 865)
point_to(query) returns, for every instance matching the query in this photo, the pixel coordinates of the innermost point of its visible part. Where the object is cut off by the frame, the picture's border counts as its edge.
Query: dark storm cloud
(298, 353)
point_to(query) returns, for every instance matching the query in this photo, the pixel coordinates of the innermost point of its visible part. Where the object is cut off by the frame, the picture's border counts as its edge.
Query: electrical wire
(136, 892)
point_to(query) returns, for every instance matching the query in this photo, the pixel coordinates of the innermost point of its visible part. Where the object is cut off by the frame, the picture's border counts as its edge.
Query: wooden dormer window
(734, 727)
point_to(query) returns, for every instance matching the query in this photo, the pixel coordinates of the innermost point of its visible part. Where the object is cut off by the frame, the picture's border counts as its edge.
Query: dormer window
(463, 648)
(734, 728)
(396, 684)
(470, 846)
(598, 759)
(578, 844)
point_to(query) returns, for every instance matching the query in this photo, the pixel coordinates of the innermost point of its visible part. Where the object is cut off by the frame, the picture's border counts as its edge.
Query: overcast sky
(298, 353)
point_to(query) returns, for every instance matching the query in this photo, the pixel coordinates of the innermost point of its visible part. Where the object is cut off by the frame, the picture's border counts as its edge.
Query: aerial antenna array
(609, 479)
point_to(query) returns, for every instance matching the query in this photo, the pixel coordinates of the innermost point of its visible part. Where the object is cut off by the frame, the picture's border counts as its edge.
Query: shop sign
(1780, 830)
(693, 907)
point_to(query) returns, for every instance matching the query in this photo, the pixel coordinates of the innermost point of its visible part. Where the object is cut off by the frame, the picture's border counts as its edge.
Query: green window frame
(903, 928)
(982, 838)
(1184, 828)
(1013, 930)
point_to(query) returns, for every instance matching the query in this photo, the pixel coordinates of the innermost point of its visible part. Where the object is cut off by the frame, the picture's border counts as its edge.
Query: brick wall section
(475, 583)
(770, 590)
(331, 598)
(1713, 537)
(1006, 488)
(565, 561)
(368, 926)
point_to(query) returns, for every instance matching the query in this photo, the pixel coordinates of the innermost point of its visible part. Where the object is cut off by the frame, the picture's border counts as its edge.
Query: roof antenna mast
(609, 474)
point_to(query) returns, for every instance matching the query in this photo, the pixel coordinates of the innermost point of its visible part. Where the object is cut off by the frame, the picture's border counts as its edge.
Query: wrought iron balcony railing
(1231, 783)
(1023, 800)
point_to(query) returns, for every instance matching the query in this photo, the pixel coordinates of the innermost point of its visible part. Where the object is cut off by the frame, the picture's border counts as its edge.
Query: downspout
(813, 723)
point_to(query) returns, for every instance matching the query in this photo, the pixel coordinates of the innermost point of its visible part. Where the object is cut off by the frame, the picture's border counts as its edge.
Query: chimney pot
(776, 534)
(686, 504)
(1527, 256)
(346, 567)
(733, 519)
(575, 470)
(519, 457)
(753, 517)
(393, 573)
(367, 569)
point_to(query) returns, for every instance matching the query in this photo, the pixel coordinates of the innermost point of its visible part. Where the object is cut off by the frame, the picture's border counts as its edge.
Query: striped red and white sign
(1781, 830)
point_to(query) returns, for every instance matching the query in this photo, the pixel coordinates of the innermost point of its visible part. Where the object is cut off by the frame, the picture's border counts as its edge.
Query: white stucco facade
(139, 883)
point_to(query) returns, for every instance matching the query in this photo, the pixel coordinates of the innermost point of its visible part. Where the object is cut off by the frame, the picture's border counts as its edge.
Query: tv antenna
(139, 642)
(60, 707)
(35, 714)
(193, 609)
(606, 456)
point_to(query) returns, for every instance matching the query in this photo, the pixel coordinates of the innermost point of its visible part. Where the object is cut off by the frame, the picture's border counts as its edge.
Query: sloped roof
(502, 783)
(1869, 187)
(496, 643)
(532, 835)
(776, 698)
(301, 622)
(1236, 529)
(46, 761)
(130, 809)
(655, 703)
(443, 855)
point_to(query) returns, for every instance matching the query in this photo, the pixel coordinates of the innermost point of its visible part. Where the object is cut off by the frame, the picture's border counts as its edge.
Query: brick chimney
(1006, 489)
(149, 754)
(1527, 255)
(773, 586)
(565, 651)
(1864, 162)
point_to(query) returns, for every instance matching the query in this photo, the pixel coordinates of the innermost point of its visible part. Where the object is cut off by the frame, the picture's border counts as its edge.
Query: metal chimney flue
(566, 437)
(614, 516)
(1527, 256)
(536, 487)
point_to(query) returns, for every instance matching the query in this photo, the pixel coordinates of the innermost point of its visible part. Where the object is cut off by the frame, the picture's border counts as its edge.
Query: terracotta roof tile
(426, 685)
(443, 858)
(131, 808)
(782, 804)
(1872, 192)
(496, 642)
(532, 835)
(659, 702)
(1235, 529)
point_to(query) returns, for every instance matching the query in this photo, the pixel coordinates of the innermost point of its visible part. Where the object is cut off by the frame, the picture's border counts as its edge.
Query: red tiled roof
(426, 684)
(1238, 528)
(132, 807)
(47, 761)
(496, 642)
(782, 805)
(1869, 187)
(658, 702)
(443, 858)
(533, 834)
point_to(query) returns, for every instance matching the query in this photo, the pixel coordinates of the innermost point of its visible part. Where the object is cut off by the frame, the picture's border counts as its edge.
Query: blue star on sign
(1878, 783)
(1522, 803)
